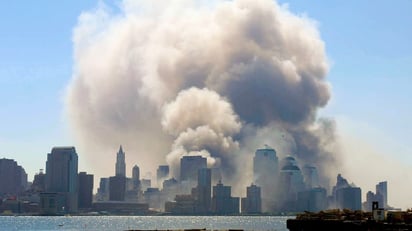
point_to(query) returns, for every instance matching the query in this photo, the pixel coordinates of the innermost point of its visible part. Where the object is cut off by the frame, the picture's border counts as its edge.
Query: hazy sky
(368, 45)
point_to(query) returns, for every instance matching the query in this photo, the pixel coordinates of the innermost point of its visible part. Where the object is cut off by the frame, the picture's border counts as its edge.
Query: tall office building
(61, 177)
(312, 200)
(222, 201)
(39, 182)
(103, 190)
(117, 188)
(252, 203)
(291, 183)
(310, 175)
(120, 163)
(189, 165)
(85, 190)
(204, 190)
(382, 191)
(349, 198)
(265, 174)
(136, 177)
(13, 178)
(162, 174)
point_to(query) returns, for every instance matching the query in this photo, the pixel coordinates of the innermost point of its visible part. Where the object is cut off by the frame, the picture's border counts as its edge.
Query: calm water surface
(112, 223)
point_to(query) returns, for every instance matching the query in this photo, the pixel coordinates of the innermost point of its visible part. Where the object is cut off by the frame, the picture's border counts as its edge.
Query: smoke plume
(169, 78)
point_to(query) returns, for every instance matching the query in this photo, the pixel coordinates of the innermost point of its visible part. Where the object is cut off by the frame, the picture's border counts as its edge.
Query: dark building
(117, 188)
(136, 177)
(183, 205)
(85, 190)
(252, 203)
(61, 177)
(312, 200)
(349, 198)
(120, 163)
(162, 174)
(39, 182)
(103, 190)
(204, 190)
(189, 165)
(13, 178)
(222, 201)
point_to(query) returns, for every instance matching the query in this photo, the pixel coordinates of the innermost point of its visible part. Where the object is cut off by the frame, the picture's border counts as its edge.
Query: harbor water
(114, 223)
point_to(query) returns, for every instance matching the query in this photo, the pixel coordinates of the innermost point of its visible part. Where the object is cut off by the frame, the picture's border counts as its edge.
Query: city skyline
(369, 78)
(65, 187)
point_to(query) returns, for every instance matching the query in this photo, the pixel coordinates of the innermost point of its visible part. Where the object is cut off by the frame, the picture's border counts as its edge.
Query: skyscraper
(265, 174)
(349, 198)
(310, 175)
(252, 203)
(136, 177)
(120, 163)
(117, 188)
(162, 174)
(382, 191)
(204, 190)
(13, 178)
(85, 190)
(222, 201)
(61, 176)
(189, 165)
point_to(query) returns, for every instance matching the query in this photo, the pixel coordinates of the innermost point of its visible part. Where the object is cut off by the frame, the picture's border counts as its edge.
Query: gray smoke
(173, 79)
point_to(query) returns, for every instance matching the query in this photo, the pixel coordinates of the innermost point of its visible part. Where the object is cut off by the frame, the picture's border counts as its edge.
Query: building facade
(13, 178)
(252, 203)
(85, 190)
(222, 201)
(61, 176)
(266, 174)
(120, 163)
(189, 165)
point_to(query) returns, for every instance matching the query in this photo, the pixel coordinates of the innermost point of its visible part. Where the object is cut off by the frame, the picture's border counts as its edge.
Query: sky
(368, 46)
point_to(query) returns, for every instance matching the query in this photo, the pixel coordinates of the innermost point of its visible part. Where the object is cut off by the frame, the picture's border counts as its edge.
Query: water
(114, 223)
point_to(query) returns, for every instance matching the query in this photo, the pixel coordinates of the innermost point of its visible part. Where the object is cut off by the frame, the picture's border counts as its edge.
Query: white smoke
(202, 123)
(173, 78)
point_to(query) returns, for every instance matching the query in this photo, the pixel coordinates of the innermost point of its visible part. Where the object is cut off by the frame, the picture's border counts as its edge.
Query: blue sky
(368, 44)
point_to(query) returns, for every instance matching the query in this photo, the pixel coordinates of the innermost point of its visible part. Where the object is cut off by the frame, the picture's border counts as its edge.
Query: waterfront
(114, 223)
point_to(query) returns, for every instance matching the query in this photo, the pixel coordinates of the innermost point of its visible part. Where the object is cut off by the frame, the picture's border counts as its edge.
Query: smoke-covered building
(310, 176)
(145, 184)
(222, 201)
(265, 174)
(252, 203)
(291, 182)
(349, 198)
(85, 190)
(153, 197)
(189, 165)
(13, 178)
(162, 173)
(312, 200)
(61, 178)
